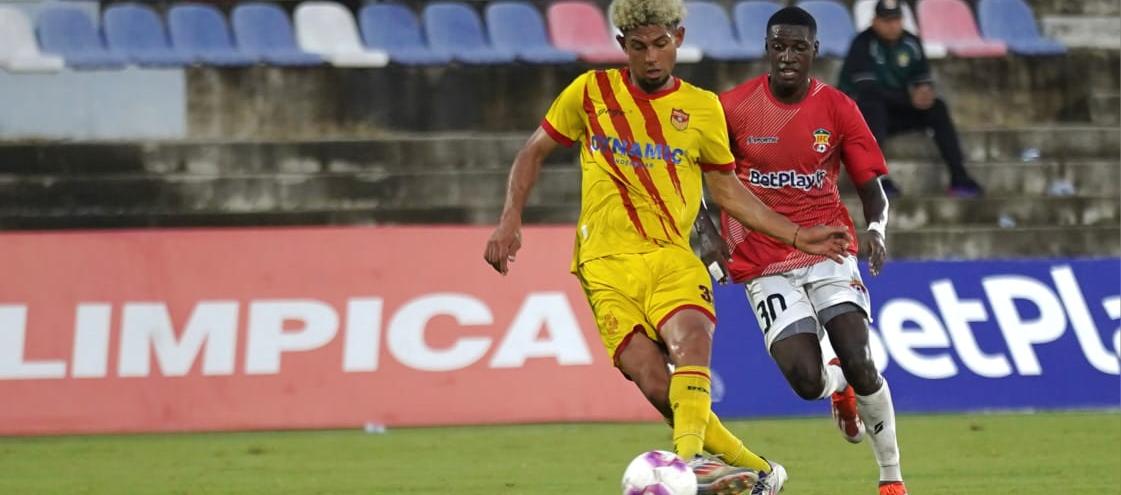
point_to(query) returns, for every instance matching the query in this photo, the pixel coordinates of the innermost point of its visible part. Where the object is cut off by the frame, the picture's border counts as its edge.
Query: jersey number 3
(767, 311)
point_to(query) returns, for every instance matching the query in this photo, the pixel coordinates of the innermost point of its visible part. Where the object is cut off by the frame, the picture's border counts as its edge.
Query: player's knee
(806, 381)
(689, 346)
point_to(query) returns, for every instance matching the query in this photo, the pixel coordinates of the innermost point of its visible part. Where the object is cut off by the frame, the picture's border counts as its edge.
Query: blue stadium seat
(201, 32)
(835, 28)
(454, 28)
(751, 24)
(1013, 22)
(394, 28)
(708, 27)
(69, 32)
(518, 27)
(264, 31)
(136, 31)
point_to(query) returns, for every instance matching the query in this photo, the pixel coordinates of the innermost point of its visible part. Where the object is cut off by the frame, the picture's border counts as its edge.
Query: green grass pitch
(1029, 454)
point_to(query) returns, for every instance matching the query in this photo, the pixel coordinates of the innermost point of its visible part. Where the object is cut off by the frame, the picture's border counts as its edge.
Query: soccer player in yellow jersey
(646, 138)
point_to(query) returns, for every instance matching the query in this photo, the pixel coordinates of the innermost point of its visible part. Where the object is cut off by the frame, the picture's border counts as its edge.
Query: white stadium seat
(328, 29)
(19, 50)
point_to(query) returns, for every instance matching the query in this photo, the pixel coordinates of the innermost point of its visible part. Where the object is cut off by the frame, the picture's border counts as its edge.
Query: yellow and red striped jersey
(642, 156)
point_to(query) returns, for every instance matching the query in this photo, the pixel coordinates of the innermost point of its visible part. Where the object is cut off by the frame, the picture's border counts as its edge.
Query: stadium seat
(751, 23)
(19, 51)
(580, 26)
(1013, 22)
(136, 31)
(864, 10)
(200, 32)
(328, 29)
(394, 29)
(70, 32)
(264, 31)
(455, 28)
(518, 27)
(708, 27)
(835, 29)
(950, 23)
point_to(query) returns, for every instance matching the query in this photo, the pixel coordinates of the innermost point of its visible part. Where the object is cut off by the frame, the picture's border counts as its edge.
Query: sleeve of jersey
(860, 152)
(565, 120)
(714, 153)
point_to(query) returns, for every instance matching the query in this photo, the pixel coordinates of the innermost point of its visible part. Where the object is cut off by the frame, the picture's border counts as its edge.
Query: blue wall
(961, 336)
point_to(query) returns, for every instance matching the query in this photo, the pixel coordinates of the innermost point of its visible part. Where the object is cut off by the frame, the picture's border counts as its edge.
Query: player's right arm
(507, 238)
(563, 124)
(741, 204)
(717, 162)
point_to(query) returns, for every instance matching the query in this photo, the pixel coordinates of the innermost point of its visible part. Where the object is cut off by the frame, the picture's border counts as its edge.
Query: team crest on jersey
(610, 323)
(679, 119)
(903, 59)
(821, 140)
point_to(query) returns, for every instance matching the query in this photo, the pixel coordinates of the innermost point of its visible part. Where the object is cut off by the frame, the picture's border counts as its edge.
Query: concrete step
(480, 193)
(1084, 31)
(405, 153)
(473, 151)
(1032, 178)
(995, 242)
(557, 185)
(1105, 108)
(912, 213)
(1104, 8)
(925, 243)
(1002, 145)
(250, 193)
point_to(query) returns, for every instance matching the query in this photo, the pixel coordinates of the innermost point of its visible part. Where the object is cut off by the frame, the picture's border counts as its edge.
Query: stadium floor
(1023, 454)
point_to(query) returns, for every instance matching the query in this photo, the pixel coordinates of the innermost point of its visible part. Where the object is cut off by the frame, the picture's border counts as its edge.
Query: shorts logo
(858, 285)
(821, 140)
(679, 119)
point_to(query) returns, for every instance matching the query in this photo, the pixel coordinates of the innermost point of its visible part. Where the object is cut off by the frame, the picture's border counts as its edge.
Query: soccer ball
(659, 473)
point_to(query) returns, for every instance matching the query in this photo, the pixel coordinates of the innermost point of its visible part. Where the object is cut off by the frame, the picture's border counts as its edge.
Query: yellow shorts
(637, 293)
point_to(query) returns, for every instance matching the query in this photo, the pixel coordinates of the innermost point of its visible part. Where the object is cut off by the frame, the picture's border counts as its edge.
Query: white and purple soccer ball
(659, 473)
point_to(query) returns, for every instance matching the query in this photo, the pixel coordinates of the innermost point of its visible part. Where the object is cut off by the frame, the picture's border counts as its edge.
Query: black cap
(889, 8)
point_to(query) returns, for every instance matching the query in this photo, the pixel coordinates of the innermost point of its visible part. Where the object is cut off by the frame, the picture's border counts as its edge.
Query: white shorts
(783, 299)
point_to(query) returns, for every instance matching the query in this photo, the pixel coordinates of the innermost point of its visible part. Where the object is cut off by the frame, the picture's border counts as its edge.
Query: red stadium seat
(951, 23)
(582, 28)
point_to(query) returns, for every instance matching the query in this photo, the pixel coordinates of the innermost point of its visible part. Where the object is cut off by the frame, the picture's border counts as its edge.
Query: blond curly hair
(629, 14)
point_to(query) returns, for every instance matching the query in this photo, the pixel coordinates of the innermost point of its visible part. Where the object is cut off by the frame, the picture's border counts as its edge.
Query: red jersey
(790, 156)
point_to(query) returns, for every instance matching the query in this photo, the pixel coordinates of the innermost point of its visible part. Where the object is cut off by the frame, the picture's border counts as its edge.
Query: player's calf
(845, 411)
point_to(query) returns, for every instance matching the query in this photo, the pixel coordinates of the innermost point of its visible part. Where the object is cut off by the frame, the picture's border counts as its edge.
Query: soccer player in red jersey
(790, 134)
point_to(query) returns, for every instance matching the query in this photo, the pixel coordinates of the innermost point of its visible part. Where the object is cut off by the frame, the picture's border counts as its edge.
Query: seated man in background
(886, 72)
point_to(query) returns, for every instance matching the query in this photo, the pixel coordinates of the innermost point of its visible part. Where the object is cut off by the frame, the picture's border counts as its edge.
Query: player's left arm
(865, 164)
(874, 201)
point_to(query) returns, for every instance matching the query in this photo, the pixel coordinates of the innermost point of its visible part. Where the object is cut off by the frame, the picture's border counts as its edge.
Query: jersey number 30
(767, 311)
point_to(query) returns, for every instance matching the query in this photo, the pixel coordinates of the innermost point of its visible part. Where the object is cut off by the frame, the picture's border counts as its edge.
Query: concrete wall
(128, 104)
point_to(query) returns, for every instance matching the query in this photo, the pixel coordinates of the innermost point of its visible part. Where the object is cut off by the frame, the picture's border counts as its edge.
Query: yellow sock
(689, 396)
(719, 441)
